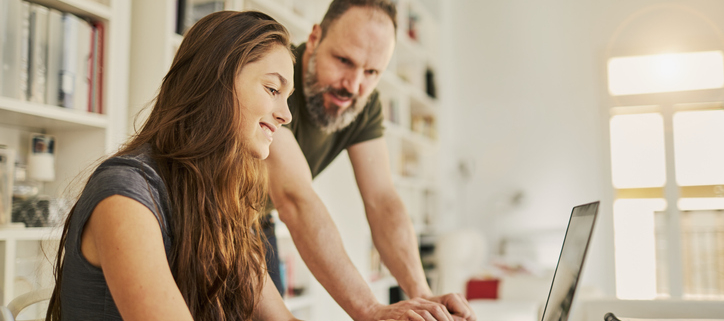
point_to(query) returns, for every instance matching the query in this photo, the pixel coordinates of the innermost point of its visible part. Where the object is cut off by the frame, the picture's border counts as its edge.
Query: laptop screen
(568, 271)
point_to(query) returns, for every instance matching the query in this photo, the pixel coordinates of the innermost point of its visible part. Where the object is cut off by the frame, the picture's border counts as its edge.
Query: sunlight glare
(637, 151)
(665, 73)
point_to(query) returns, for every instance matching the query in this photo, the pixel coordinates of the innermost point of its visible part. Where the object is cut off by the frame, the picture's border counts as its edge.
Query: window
(667, 168)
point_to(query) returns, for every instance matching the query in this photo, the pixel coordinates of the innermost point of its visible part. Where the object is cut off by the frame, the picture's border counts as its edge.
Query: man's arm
(319, 242)
(391, 227)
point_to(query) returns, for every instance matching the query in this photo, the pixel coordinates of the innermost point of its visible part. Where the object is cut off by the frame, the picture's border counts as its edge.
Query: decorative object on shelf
(391, 110)
(23, 188)
(41, 160)
(190, 11)
(430, 83)
(34, 212)
(412, 18)
(7, 168)
(27, 208)
(423, 124)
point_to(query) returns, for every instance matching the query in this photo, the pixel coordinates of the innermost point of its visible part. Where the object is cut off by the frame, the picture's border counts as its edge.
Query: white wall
(529, 94)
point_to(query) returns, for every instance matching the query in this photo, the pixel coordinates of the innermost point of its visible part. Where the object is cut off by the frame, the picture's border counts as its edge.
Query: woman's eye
(272, 90)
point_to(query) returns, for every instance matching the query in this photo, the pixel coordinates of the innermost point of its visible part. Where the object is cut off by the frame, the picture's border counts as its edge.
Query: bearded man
(335, 107)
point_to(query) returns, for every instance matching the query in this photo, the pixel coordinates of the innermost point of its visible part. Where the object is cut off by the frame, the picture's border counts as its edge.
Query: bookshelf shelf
(33, 115)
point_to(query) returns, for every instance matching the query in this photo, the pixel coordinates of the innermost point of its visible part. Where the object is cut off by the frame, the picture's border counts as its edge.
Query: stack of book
(50, 57)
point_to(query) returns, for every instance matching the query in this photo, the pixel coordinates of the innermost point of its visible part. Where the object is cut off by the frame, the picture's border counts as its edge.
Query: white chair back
(18, 304)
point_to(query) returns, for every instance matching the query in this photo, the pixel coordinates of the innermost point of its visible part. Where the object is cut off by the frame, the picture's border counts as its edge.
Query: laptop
(570, 262)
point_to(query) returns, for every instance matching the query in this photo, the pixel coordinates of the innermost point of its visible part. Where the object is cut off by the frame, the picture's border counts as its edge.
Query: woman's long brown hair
(216, 189)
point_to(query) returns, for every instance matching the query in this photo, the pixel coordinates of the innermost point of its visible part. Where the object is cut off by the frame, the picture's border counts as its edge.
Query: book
(97, 67)
(24, 63)
(91, 69)
(180, 16)
(82, 79)
(68, 61)
(55, 57)
(14, 47)
(3, 27)
(9, 47)
(37, 53)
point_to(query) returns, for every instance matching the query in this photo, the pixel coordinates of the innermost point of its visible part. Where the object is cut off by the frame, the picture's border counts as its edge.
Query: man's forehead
(360, 19)
(357, 34)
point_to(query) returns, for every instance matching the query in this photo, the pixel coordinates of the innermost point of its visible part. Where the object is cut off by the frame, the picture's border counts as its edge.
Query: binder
(38, 53)
(69, 61)
(55, 57)
(12, 48)
(96, 93)
(83, 64)
(24, 63)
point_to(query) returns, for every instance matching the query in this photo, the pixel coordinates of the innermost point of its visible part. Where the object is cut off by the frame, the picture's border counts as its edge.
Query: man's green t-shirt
(321, 148)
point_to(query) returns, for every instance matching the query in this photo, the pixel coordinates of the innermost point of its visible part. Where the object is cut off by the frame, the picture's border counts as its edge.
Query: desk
(651, 310)
(627, 319)
(505, 310)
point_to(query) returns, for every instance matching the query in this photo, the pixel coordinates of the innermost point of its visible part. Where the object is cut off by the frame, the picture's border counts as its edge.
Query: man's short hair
(338, 7)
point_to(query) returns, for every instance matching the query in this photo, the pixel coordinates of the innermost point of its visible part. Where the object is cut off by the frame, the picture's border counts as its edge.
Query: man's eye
(344, 60)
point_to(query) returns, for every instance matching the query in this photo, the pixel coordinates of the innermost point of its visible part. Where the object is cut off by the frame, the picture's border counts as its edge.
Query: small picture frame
(42, 144)
(41, 159)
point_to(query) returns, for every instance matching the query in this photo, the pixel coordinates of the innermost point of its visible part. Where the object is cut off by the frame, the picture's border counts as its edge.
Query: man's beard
(328, 122)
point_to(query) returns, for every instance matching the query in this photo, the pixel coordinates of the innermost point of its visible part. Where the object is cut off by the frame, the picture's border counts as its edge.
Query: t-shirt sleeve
(374, 125)
(118, 179)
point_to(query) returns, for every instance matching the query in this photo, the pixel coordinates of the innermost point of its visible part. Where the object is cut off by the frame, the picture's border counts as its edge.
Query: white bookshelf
(155, 42)
(18, 113)
(81, 138)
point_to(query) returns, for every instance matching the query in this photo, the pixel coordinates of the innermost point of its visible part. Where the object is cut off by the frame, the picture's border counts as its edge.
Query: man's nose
(352, 81)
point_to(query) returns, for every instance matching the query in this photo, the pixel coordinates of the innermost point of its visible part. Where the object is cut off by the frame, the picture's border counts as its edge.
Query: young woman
(168, 228)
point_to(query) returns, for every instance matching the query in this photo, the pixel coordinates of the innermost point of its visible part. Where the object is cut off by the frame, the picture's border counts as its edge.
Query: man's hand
(456, 305)
(408, 316)
(419, 309)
